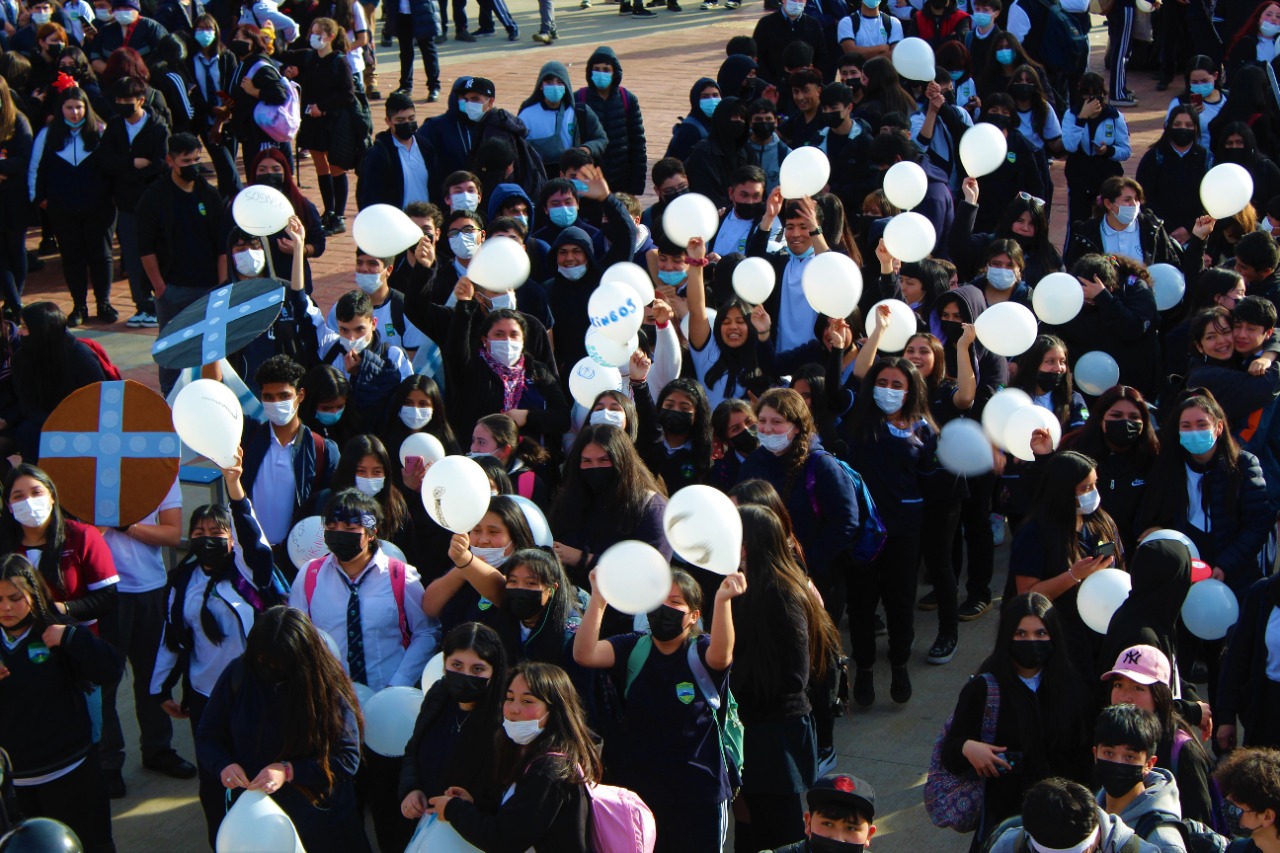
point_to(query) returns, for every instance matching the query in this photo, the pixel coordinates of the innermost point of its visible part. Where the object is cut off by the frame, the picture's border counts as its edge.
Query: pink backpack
(397, 590)
(620, 820)
(279, 121)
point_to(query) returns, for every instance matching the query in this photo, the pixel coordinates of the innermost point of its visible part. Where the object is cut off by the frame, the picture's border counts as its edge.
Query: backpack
(278, 121)
(1196, 837)
(951, 801)
(110, 370)
(1217, 815)
(869, 541)
(581, 97)
(1062, 44)
(620, 821)
(397, 570)
(886, 25)
(728, 725)
(1023, 845)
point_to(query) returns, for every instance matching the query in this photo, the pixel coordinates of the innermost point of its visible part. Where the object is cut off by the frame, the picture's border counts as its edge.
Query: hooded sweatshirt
(568, 299)
(452, 135)
(992, 370)
(536, 249)
(715, 158)
(552, 130)
(733, 80)
(1160, 796)
(1160, 572)
(694, 127)
(1113, 836)
(625, 160)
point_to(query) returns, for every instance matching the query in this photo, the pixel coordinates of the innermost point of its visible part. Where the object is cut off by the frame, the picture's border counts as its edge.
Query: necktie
(355, 634)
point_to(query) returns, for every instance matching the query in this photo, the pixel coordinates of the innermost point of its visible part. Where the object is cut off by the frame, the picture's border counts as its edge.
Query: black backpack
(1063, 44)
(886, 24)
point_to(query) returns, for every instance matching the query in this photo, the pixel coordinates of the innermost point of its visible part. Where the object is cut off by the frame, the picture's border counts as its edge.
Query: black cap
(841, 789)
(479, 85)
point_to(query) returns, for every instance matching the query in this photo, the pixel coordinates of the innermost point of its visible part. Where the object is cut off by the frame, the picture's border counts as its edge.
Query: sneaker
(1124, 101)
(373, 94)
(997, 529)
(484, 31)
(1162, 85)
(826, 760)
(673, 6)
(78, 316)
(513, 34)
(732, 4)
(881, 628)
(585, 4)
(107, 312)
(337, 225)
(942, 650)
(555, 34)
(864, 688)
(443, 38)
(149, 321)
(971, 610)
(639, 11)
(900, 686)
(929, 601)
(542, 38)
(135, 322)
(708, 6)
(464, 36)
(170, 764)
(114, 782)
(386, 39)
(432, 97)
(49, 245)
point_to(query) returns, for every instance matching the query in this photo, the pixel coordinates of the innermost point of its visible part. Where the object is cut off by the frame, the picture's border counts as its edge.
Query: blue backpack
(869, 541)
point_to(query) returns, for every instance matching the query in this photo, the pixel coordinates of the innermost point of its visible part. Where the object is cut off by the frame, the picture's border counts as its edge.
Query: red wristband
(697, 262)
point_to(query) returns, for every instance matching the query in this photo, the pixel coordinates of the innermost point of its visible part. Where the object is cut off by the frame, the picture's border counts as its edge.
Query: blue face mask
(1269, 30)
(672, 277)
(74, 125)
(871, 4)
(330, 418)
(580, 186)
(1197, 441)
(472, 110)
(807, 253)
(1204, 90)
(602, 79)
(204, 38)
(552, 93)
(955, 76)
(708, 106)
(1005, 56)
(573, 273)
(564, 216)
(522, 219)
(982, 20)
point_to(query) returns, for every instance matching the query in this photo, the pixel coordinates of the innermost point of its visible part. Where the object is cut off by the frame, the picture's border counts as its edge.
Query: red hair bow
(63, 82)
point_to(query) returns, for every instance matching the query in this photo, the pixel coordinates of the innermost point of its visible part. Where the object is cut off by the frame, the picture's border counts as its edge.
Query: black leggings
(891, 578)
(78, 799)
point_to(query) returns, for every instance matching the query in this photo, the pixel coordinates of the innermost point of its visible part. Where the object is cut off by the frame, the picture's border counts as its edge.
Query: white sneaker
(148, 321)
(135, 322)
(708, 5)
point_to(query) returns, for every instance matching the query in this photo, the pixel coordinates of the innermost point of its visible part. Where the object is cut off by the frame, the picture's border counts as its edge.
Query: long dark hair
(321, 384)
(1028, 374)
(866, 418)
(1039, 246)
(565, 740)
(58, 132)
(1091, 441)
(397, 432)
(631, 493)
(740, 365)
(506, 434)
(884, 85)
(513, 518)
(395, 512)
(1054, 509)
(469, 761)
(1039, 106)
(1166, 494)
(15, 569)
(50, 564)
(824, 420)
(547, 641)
(628, 406)
(762, 493)
(42, 365)
(700, 435)
(176, 636)
(315, 693)
(290, 188)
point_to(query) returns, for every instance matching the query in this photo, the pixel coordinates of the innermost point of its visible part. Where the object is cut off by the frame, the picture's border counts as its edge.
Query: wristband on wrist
(697, 262)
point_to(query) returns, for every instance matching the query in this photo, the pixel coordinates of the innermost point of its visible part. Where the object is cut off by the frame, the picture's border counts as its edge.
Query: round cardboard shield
(223, 322)
(111, 450)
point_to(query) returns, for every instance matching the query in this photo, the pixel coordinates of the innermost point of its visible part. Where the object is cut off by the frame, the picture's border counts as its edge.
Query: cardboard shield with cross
(224, 322)
(111, 450)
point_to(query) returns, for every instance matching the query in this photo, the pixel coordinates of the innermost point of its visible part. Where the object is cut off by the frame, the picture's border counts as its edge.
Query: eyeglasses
(454, 232)
(1038, 202)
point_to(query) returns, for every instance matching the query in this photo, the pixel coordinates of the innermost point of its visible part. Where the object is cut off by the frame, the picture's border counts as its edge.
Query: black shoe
(114, 782)
(674, 7)
(928, 601)
(942, 650)
(639, 11)
(337, 225)
(513, 34)
(864, 688)
(1161, 85)
(442, 38)
(78, 316)
(48, 246)
(881, 628)
(464, 37)
(900, 686)
(484, 31)
(170, 764)
(107, 313)
(34, 264)
(971, 610)
(386, 40)
(434, 94)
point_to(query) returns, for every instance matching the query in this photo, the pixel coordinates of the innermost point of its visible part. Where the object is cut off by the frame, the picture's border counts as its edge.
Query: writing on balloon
(614, 316)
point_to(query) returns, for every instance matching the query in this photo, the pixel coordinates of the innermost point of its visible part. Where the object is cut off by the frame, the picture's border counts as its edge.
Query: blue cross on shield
(223, 322)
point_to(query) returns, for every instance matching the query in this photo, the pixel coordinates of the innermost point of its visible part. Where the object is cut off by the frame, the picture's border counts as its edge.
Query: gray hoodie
(1115, 834)
(1161, 795)
(771, 155)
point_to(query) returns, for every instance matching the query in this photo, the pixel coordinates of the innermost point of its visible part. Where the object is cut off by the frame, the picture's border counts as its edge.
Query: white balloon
(633, 577)
(703, 526)
(1144, 6)
(329, 643)
(805, 171)
(633, 275)
(588, 379)
(255, 824)
(1022, 423)
(455, 493)
(392, 550)
(1169, 285)
(983, 149)
(437, 836)
(306, 542)
(616, 311)
(499, 265)
(1225, 190)
(422, 444)
(433, 671)
(363, 693)
(607, 352)
(1057, 298)
(691, 215)
(910, 237)
(537, 521)
(996, 414)
(261, 210)
(711, 321)
(1210, 609)
(384, 231)
(963, 448)
(902, 324)
(753, 280)
(389, 716)
(209, 420)
(1007, 329)
(905, 184)
(1101, 595)
(913, 59)
(1175, 535)
(1096, 372)
(832, 284)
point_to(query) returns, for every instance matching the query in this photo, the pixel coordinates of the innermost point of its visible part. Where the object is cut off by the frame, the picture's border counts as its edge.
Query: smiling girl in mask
(365, 465)
(681, 456)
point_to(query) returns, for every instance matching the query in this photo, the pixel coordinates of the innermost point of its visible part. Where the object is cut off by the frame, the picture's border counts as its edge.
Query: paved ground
(888, 745)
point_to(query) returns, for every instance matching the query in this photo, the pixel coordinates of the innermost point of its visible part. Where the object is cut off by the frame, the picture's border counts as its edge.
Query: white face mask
(415, 418)
(506, 300)
(776, 442)
(250, 262)
(317, 41)
(369, 282)
(354, 344)
(1088, 503)
(889, 399)
(493, 556)
(279, 413)
(612, 417)
(506, 352)
(1126, 213)
(464, 201)
(370, 485)
(125, 17)
(523, 732)
(794, 9)
(464, 245)
(34, 511)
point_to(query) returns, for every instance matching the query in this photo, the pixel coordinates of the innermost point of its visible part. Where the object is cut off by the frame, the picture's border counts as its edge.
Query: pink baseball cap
(1143, 664)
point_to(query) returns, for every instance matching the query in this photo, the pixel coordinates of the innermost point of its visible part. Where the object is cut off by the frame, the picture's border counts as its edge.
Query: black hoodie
(625, 161)
(694, 127)
(1160, 573)
(717, 157)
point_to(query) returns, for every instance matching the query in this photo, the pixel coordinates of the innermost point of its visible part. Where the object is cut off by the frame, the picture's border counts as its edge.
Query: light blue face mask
(807, 253)
(522, 219)
(982, 20)
(552, 92)
(573, 273)
(1005, 56)
(1269, 30)
(74, 125)
(955, 76)
(1204, 90)
(708, 106)
(602, 79)
(1197, 442)
(330, 418)
(1126, 213)
(871, 4)
(1001, 279)
(580, 186)
(564, 216)
(672, 277)
(204, 38)
(473, 110)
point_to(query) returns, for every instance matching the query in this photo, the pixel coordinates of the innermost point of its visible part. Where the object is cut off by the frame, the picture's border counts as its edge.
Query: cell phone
(1013, 759)
(1197, 100)
(1106, 549)
(415, 464)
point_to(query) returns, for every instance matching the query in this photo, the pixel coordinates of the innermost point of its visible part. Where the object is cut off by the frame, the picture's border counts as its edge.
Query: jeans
(169, 305)
(404, 34)
(134, 629)
(139, 284)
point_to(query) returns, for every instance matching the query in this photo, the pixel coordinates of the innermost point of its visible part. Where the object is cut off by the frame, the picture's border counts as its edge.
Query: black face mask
(524, 603)
(739, 130)
(745, 442)
(856, 85)
(750, 211)
(463, 687)
(1123, 433)
(210, 551)
(124, 110)
(599, 481)
(1182, 136)
(1050, 381)
(1000, 121)
(832, 119)
(1022, 91)
(56, 48)
(1117, 779)
(818, 844)
(675, 422)
(241, 48)
(405, 130)
(1238, 156)
(952, 330)
(763, 129)
(189, 173)
(343, 544)
(671, 195)
(1031, 654)
(272, 179)
(666, 623)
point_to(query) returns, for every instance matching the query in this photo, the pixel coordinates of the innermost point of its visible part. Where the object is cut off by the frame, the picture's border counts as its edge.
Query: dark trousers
(1119, 42)
(223, 157)
(1205, 38)
(378, 789)
(489, 8)
(78, 799)
(139, 284)
(776, 821)
(1173, 38)
(891, 579)
(940, 523)
(213, 794)
(169, 305)
(84, 241)
(975, 521)
(13, 267)
(404, 34)
(134, 629)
